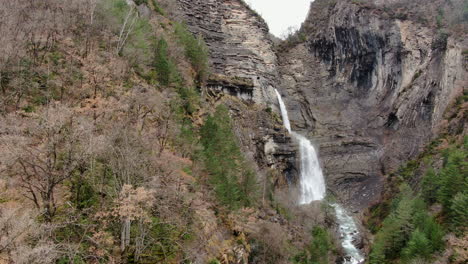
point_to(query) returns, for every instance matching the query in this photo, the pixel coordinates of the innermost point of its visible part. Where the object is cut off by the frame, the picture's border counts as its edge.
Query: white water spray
(312, 184)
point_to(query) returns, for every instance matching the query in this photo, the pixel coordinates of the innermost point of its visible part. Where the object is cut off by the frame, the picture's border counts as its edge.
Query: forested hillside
(112, 149)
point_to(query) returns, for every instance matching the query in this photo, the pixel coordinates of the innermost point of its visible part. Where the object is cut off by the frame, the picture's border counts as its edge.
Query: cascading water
(348, 232)
(312, 184)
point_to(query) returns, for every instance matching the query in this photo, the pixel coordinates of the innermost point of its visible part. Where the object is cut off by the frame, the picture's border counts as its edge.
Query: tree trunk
(125, 235)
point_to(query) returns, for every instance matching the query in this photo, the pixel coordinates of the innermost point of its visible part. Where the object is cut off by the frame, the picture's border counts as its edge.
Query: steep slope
(118, 147)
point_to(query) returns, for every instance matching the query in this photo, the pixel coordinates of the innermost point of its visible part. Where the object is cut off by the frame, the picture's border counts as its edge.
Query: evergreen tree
(453, 176)
(162, 63)
(377, 254)
(459, 212)
(320, 246)
(418, 246)
(233, 181)
(430, 185)
(400, 226)
(195, 50)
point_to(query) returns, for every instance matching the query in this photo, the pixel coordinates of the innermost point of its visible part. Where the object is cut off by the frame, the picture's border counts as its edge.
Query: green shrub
(83, 194)
(158, 9)
(29, 109)
(161, 242)
(139, 2)
(318, 249)
(190, 100)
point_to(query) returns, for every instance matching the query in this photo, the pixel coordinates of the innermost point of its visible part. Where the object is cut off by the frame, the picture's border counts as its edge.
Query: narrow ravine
(313, 188)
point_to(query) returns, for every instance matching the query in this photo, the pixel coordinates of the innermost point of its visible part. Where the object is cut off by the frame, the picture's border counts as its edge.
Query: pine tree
(453, 177)
(431, 229)
(320, 246)
(248, 187)
(377, 255)
(396, 228)
(418, 246)
(459, 212)
(401, 226)
(233, 181)
(430, 185)
(162, 63)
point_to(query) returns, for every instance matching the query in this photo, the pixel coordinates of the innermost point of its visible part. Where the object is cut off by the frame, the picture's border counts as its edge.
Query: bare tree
(127, 28)
(46, 164)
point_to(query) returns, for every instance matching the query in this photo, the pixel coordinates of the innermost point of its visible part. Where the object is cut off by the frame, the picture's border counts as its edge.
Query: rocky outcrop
(238, 40)
(265, 141)
(237, 86)
(370, 89)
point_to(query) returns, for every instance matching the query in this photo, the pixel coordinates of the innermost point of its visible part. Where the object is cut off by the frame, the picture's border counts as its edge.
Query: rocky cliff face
(369, 87)
(239, 43)
(244, 64)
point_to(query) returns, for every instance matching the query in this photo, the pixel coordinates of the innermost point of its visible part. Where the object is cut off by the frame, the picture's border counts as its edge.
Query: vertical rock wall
(239, 42)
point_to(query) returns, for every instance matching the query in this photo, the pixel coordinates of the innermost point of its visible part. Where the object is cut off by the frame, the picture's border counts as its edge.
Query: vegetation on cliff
(429, 213)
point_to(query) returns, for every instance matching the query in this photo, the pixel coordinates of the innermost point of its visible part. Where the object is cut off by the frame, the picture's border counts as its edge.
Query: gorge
(183, 131)
(366, 79)
(357, 80)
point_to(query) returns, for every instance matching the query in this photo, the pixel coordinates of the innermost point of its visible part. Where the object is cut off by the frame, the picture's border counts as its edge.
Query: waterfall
(284, 112)
(312, 186)
(312, 183)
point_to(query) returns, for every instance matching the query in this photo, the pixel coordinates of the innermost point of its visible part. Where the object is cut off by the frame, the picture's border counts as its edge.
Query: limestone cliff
(369, 86)
(238, 40)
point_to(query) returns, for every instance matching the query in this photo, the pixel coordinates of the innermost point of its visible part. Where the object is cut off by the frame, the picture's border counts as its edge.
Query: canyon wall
(239, 43)
(368, 87)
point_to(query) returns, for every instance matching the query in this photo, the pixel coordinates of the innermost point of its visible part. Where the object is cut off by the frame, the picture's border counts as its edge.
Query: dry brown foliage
(18, 227)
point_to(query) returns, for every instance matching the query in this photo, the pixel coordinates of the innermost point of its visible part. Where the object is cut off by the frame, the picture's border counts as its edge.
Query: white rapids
(348, 233)
(313, 188)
